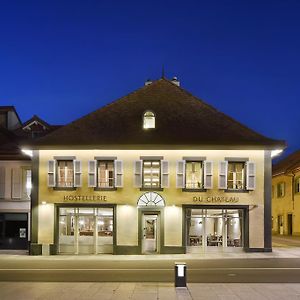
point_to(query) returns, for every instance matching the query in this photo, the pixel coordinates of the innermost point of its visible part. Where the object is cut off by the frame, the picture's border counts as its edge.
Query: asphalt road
(271, 270)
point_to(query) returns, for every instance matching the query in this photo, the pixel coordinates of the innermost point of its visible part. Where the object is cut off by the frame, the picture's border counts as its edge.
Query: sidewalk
(278, 252)
(146, 291)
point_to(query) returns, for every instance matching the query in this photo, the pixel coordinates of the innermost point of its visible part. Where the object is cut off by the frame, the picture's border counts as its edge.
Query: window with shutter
(151, 174)
(251, 176)
(138, 173)
(92, 177)
(77, 173)
(118, 173)
(223, 166)
(180, 174)
(164, 174)
(65, 173)
(194, 175)
(208, 174)
(51, 173)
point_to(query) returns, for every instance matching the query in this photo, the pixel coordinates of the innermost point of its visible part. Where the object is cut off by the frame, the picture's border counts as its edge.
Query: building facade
(286, 196)
(15, 178)
(157, 171)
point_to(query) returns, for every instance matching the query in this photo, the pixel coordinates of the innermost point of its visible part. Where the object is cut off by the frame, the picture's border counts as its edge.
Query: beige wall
(126, 198)
(285, 205)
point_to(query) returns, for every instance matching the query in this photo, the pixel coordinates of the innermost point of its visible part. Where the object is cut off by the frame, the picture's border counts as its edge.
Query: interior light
(276, 152)
(44, 202)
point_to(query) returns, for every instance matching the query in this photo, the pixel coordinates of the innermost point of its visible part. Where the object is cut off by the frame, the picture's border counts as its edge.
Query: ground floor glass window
(85, 230)
(214, 227)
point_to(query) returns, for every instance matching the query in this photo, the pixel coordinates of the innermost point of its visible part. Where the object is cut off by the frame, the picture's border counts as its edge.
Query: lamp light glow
(276, 152)
(27, 152)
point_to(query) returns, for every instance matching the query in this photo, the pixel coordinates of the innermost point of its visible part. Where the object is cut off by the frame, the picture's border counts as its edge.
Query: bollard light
(180, 274)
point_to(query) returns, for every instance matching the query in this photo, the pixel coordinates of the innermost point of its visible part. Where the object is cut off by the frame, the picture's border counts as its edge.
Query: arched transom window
(149, 120)
(151, 199)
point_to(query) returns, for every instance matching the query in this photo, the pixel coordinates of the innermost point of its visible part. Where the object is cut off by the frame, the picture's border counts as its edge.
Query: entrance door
(290, 224)
(150, 239)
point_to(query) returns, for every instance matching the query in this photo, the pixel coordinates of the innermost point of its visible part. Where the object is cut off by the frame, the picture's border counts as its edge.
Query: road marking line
(202, 269)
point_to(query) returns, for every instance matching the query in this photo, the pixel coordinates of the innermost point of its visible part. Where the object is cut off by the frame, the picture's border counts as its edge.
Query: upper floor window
(149, 120)
(193, 175)
(65, 173)
(236, 176)
(297, 185)
(105, 174)
(280, 189)
(151, 174)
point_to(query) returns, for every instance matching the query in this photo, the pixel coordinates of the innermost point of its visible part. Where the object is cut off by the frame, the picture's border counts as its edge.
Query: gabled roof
(181, 119)
(35, 120)
(35, 125)
(287, 165)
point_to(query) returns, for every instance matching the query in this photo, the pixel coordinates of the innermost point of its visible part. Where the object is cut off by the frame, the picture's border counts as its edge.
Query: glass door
(85, 230)
(150, 234)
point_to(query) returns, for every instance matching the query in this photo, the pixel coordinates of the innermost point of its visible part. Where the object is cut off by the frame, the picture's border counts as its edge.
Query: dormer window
(149, 120)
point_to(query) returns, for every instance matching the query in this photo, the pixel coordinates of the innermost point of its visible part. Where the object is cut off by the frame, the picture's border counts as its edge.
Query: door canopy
(151, 199)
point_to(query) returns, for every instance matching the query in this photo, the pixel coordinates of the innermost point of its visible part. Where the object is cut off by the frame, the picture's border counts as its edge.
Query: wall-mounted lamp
(27, 152)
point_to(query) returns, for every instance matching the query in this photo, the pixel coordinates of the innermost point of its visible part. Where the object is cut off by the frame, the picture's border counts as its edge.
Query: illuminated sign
(215, 199)
(85, 198)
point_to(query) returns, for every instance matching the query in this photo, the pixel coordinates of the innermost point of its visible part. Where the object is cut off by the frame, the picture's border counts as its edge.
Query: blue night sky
(63, 59)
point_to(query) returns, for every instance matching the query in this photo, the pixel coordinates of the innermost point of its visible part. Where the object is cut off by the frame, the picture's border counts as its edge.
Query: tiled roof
(288, 164)
(181, 119)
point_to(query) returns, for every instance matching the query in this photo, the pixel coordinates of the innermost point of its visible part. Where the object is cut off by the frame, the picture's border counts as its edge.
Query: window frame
(159, 188)
(57, 187)
(244, 177)
(277, 189)
(97, 187)
(143, 119)
(202, 176)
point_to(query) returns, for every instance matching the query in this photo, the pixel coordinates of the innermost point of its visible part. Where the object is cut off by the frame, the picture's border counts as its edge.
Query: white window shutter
(2, 182)
(251, 176)
(208, 174)
(92, 173)
(223, 169)
(51, 173)
(16, 183)
(118, 173)
(180, 174)
(77, 173)
(138, 173)
(164, 174)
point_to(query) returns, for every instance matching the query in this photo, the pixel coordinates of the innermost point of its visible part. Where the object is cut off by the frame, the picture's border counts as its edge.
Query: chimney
(148, 82)
(175, 81)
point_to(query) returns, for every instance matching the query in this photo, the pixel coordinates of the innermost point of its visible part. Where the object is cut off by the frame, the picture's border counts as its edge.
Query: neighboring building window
(236, 176)
(149, 120)
(297, 185)
(65, 173)
(193, 175)
(3, 119)
(151, 174)
(105, 174)
(26, 183)
(280, 189)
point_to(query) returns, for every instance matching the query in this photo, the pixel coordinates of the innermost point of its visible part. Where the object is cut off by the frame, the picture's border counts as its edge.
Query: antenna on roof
(163, 72)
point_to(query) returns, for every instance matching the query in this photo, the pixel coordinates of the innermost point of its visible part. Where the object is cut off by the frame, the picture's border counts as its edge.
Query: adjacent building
(15, 177)
(286, 196)
(157, 171)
